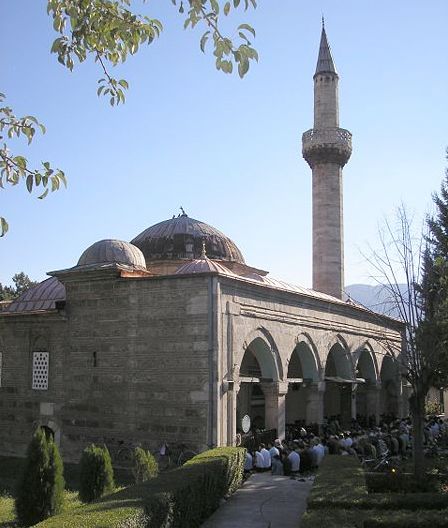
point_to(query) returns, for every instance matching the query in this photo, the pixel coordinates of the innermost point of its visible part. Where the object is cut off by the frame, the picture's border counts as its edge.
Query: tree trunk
(418, 420)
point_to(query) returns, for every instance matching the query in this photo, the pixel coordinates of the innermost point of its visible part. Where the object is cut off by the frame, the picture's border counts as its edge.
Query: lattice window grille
(40, 370)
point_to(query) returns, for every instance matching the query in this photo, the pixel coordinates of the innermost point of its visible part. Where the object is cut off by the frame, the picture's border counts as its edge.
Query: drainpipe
(211, 441)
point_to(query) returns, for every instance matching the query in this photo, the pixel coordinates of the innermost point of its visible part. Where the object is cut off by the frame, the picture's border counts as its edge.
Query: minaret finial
(203, 253)
(325, 63)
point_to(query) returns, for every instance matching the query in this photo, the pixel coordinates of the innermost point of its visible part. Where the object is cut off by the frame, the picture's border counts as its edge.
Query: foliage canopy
(109, 31)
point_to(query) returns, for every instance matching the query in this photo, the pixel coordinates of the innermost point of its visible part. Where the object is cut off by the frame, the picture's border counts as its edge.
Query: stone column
(274, 404)
(315, 403)
(407, 392)
(373, 401)
(353, 402)
(232, 425)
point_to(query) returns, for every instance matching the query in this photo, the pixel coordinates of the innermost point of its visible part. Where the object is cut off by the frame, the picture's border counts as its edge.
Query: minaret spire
(327, 148)
(325, 62)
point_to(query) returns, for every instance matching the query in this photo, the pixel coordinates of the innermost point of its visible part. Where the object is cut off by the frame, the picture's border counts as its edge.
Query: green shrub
(96, 476)
(179, 498)
(400, 482)
(145, 465)
(40, 492)
(333, 518)
(407, 519)
(339, 482)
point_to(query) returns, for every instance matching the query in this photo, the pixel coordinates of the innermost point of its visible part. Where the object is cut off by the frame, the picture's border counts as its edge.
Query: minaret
(327, 148)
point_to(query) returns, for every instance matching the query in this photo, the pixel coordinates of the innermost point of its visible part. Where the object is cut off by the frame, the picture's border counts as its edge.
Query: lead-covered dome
(116, 251)
(181, 237)
(204, 265)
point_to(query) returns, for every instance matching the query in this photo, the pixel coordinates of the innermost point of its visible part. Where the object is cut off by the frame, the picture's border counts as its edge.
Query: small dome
(116, 251)
(181, 237)
(43, 296)
(203, 265)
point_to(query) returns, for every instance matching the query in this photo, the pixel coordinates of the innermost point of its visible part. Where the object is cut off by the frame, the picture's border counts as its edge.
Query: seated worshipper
(273, 451)
(318, 452)
(306, 458)
(266, 457)
(259, 460)
(333, 445)
(281, 449)
(277, 466)
(249, 462)
(294, 460)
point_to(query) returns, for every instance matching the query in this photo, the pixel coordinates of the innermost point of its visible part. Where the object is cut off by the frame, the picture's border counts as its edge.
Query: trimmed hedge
(340, 483)
(189, 495)
(400, 482)
(333, 518)
(342, 518)
(407, 519)
(184, 497)
(339, 499)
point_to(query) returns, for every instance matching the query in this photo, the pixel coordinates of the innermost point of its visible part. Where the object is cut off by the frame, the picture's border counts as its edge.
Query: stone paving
(264, 501)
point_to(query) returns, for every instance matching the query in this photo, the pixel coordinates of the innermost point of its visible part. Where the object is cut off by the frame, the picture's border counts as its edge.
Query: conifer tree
(41, 487)
(96, 473)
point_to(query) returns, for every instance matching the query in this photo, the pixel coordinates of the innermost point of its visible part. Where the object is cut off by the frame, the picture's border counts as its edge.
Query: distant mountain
(376, 298)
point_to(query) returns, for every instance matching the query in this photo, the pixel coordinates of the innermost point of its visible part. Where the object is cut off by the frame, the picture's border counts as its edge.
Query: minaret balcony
(328, 145)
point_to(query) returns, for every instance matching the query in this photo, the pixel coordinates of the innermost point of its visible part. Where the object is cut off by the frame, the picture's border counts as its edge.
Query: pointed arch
(339, 361)
(263, 347)
(366, 364)
(304, 360)
(39, 344)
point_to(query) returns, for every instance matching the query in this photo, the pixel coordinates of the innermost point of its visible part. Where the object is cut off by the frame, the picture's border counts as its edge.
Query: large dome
(181, 237)
(109, 250)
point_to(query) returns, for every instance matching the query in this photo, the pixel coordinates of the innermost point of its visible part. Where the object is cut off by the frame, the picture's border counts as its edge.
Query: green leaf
(247, 28)
(226, 8)
(236, 3)
(215, 6)
(3, 226)
(204, 40)
(243, 67)
(29, 182)
(42, 196)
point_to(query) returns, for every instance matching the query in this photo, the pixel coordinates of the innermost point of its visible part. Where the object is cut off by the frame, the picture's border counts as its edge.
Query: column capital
(274, 388)
(317, 386)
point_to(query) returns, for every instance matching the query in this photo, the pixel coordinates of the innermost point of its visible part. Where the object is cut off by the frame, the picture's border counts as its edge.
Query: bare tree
(404, 257)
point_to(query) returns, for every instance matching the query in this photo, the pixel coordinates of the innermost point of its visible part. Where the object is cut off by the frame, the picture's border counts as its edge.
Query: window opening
(40, 370)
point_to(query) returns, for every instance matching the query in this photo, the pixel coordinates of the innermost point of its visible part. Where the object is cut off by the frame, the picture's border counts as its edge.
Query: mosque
(173, 337)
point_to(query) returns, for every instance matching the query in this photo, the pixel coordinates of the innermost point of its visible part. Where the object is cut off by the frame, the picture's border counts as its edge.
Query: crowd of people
(301, 455)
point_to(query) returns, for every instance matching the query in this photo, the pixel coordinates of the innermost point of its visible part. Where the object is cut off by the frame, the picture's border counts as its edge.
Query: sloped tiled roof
(41, 297)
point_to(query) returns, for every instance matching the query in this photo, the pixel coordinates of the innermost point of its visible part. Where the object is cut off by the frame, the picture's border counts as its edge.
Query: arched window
(41, 363)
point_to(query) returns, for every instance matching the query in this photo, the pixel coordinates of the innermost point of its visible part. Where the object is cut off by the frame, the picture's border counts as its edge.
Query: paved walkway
(263, 501)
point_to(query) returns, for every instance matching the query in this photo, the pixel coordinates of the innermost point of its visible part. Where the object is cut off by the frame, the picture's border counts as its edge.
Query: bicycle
(168, 457)
(386, 462)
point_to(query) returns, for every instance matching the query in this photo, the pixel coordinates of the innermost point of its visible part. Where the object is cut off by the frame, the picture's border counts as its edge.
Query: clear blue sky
(228, 150)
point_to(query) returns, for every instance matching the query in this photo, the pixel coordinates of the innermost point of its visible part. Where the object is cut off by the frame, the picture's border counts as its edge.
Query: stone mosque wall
(128, 363)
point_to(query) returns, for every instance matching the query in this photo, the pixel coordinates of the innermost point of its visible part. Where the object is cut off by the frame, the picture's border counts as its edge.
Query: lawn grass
(10, 470)
(7, 514)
